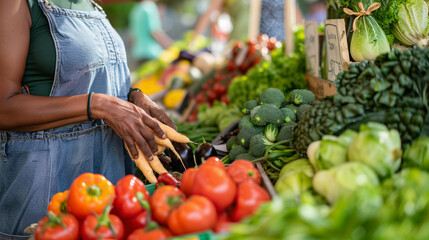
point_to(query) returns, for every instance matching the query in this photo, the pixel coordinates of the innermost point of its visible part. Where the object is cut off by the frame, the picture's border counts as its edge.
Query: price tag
(337, 54)
(312, 48)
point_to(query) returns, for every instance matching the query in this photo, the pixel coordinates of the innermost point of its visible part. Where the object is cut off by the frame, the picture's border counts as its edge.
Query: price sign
(337, 54)
(312, 48)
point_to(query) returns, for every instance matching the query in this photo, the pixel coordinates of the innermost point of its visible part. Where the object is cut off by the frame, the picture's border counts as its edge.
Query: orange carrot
(143, 164)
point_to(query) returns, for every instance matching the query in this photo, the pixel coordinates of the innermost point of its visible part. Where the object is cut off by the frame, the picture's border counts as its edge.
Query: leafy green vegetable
(295, 178)
(343, 180)
(378, 147)
(417, 155)
(284, 72)
(393, 90)
(368, 40)
(412, 26)
(331, 152)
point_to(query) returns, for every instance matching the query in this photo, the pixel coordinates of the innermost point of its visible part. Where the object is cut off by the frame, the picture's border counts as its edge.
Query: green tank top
(40, 66)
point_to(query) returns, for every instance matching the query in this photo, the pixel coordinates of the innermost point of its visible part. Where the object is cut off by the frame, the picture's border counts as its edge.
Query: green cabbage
(368, 40)
(412, 27)
(378, 147)
(417, 155)
(295, 178)
(343, 180)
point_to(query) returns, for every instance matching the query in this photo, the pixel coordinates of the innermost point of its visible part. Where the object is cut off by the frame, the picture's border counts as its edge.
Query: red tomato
(213, 161)
(164, 200)
(214, 183)
(58, 203)
(197, 214)
(231, 66)
(241, 170)
(249, 197)
(156, 234)
(136, 222)
(201, 97)
(219, 89)
(211, 94)
(223, 223)
(50, 227)
(89, 193)
(225, 99)
(94, 229)
(127, 203)
(187, 181)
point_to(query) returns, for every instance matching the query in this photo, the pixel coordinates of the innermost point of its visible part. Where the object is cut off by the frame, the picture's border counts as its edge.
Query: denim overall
(90, 57)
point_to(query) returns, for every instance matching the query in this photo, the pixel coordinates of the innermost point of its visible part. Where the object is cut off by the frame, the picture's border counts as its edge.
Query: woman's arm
(203, 22)
(22, 112)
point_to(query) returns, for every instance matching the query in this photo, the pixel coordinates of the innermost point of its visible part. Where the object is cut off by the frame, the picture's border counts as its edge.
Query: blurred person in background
(148, 37)
(216, 16)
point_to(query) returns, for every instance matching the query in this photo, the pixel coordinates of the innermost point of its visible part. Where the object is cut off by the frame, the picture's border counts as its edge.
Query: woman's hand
(130, 122)
(142, 100)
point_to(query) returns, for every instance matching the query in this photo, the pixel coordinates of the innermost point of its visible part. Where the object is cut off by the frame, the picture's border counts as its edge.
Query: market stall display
(259, 154)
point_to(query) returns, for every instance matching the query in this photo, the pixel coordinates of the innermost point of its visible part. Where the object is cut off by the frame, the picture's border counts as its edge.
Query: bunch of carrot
(148, 167)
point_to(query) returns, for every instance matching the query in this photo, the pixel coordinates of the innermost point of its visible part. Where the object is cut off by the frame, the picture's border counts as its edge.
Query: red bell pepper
(167, 179)
(127, 204)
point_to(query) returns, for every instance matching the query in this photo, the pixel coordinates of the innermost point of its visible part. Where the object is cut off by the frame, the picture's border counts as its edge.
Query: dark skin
(21, 112)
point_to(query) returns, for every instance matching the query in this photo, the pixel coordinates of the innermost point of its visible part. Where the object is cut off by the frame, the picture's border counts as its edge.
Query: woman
(65, 105)
(238, 10)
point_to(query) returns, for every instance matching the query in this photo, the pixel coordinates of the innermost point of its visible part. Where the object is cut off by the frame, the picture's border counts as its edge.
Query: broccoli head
(286, 132)
(292, 107)
(231, 143)
(272, 96)
(258, 144)
(246, 133)
(301, 96)
(289, 115)
(265, 114)
(248, 106)
(235, 151)
(245, 121)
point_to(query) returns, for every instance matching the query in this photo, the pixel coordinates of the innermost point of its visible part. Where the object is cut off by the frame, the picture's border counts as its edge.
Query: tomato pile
(210, 197)
(243, 57)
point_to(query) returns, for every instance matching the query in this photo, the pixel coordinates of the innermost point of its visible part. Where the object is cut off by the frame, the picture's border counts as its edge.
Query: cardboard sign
(312, 48)
(320, 87)
(337, 53)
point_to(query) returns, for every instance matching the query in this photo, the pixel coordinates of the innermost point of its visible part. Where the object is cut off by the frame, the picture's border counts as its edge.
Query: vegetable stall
(258, 154)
